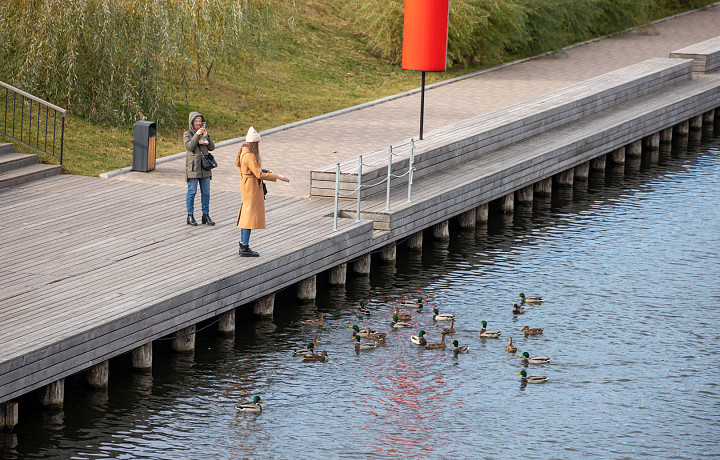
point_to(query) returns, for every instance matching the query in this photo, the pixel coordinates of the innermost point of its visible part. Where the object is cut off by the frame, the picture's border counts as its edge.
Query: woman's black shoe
(207, 220)
(191, 220)
(245, 251)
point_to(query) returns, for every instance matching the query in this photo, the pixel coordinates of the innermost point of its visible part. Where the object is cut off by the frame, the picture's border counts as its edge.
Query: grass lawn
(318, 64)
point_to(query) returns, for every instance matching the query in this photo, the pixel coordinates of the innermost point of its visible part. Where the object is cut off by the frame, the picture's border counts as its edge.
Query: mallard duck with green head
(531, 379)
(534, 360)
(459, 349)
(530, 299)
(363, 346)
(367, 332)
(437, 316)
(396, 323)
(363, 310)
(413, 303)
(488, 334)
(518, 309)
(253, 407)
(419, 339)
(402, 316)
(308, 350)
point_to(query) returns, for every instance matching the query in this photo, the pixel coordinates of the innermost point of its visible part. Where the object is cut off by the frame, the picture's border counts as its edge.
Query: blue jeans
(245, 236)
(204, 195)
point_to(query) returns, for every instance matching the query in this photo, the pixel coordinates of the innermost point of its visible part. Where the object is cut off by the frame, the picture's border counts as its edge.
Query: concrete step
(28, 174)
(10, 161)
(6, 147)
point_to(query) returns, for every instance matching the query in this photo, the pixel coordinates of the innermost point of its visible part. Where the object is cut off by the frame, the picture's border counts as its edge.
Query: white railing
(387, 179)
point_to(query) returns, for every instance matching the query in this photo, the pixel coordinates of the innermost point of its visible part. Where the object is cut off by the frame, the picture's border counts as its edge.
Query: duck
(413, 303)
(402, 316)
(436, 346)
(534, 360)
(396, 323)
(367, 332)
(488, 334)
(437, 316)
(419, 339)
(451, 329)
(362, 346)
(510, 347)
(534, 331)
(315, 358)
(531, 379)
(315, 322)
(363, 310)
(530, 299)
(253, 407)
(308, 350)
(380, 342)
(518, 309)
(458, 349)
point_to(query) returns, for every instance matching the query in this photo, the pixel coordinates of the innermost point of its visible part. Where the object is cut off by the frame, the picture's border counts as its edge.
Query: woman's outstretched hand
(283, 178)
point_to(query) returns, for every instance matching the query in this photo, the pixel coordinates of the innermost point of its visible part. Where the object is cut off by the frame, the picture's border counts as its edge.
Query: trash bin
(144, 135)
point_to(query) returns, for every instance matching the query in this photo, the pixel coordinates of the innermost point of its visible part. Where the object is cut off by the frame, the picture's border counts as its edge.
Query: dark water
(629, 266)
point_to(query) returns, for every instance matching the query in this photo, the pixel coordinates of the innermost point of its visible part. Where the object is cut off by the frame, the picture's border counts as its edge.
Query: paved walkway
(296, 151)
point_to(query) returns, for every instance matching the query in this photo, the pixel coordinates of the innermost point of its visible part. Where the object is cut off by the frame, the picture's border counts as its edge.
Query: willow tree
(114, 61)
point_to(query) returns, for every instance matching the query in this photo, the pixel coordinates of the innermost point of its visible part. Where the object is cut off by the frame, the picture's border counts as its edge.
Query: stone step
(6, 147)
(10, 161)
(28, 174)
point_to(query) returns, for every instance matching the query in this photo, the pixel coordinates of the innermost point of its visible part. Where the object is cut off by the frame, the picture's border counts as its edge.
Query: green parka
(195, 151)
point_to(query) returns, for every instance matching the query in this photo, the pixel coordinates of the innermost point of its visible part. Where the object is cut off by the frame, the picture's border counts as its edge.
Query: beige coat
(252, 209)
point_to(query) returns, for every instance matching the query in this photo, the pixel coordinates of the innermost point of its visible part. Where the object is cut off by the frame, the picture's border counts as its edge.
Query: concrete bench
(464, 141)
(705, 55)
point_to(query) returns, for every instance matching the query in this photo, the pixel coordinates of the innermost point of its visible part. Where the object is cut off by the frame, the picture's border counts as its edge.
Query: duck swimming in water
(253, 407)
(531, 379)
(530, 299)
(534, 360)
(488, 334)
(419, 339)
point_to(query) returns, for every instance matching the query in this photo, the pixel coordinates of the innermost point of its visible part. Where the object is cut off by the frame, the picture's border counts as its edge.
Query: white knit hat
(252, 135)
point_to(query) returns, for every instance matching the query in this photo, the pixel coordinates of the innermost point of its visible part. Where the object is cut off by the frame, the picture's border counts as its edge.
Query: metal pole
(337, 194)
(410, 169)
(389, 172)
(359, 188)
(422, 104)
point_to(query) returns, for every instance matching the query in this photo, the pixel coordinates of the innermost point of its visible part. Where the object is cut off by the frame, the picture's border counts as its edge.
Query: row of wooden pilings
(52, 395)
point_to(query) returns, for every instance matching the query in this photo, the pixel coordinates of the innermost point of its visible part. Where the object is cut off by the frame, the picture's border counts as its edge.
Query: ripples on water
(629, 268)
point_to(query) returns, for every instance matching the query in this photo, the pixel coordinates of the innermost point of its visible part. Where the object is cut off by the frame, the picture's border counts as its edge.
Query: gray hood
(194, 115)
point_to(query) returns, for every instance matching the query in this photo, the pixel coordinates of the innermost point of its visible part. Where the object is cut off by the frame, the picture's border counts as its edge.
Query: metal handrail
(28, 139)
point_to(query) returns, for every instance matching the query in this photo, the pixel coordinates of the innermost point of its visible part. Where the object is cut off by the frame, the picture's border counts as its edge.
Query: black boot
(245, 251)
(191, 220)
(207, 220)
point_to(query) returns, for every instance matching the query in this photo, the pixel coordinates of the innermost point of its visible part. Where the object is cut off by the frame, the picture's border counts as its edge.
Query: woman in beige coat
(252, 210)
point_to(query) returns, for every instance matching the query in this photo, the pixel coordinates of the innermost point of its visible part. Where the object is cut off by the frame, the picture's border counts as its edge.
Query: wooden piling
(184, 339)
(307, 288)
(682, 128)
(666, 136)
(441, 231)
(598, 163)
(508, 204)
(226, 322)
(696, 122)
(338, 274)
(525, 195)
(53, 394)
(264, 306)
(97, 376)
(467, 219)
(565, 178)
(388, 254)
(582, 171)
(543, 187)
(362, 265)
(634, 149)
(8, 415)
(142, 357)
(482, 212)
(415, 242)
(617, 156)
(652, 142)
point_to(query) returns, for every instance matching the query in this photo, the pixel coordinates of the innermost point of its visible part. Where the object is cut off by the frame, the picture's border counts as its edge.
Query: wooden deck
(705, 55)
(94, 268)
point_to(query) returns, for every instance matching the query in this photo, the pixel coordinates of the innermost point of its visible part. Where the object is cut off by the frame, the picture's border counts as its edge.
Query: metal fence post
(389, 172)
(410, 169)
(337, 195)
(359, 188)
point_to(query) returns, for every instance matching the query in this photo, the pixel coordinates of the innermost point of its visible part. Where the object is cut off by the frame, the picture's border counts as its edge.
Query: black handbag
(263, 182)
(208, 161)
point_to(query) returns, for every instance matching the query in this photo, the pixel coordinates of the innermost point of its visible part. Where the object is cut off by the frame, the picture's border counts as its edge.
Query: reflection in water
(624, 263)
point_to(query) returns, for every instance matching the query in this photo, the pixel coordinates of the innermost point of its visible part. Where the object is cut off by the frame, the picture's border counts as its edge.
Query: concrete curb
(236, 140)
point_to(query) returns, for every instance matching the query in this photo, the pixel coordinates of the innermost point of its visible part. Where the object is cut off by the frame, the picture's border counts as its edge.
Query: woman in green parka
(197, 143)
